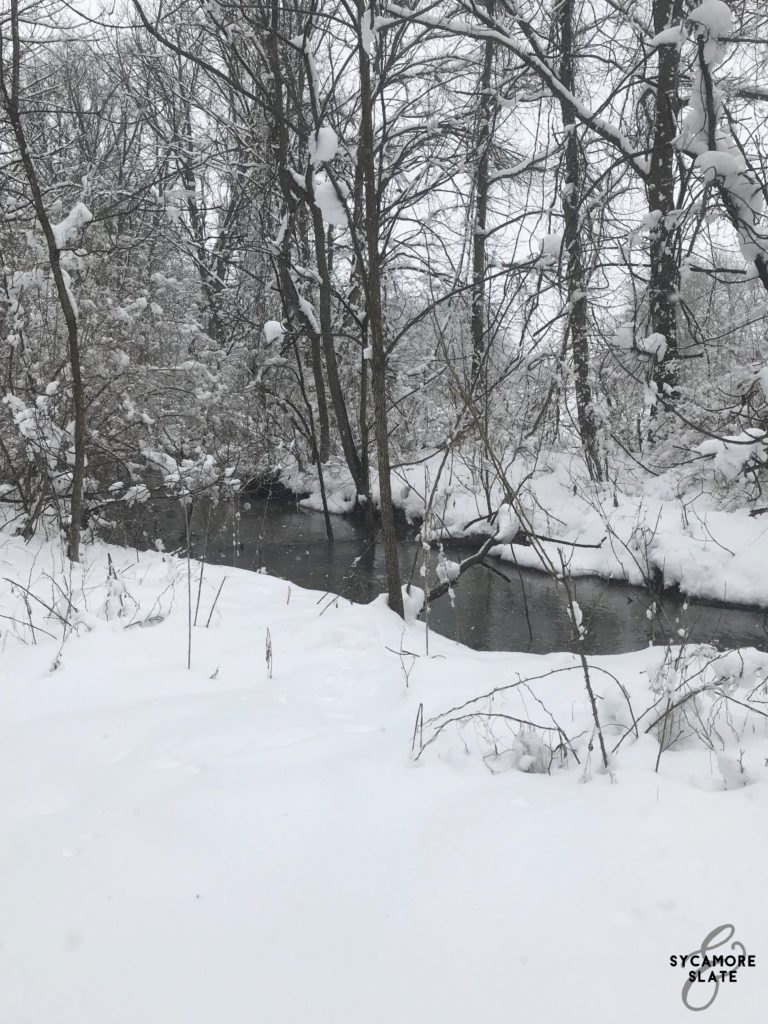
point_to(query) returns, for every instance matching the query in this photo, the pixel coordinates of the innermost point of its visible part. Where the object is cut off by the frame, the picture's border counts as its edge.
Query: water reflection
(521, 613)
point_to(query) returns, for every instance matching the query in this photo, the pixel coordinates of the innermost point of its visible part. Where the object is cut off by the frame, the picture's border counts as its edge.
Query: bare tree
(11, 71)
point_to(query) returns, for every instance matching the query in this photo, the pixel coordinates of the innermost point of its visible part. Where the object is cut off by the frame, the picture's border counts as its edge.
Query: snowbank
(674, 527)
(253, 840)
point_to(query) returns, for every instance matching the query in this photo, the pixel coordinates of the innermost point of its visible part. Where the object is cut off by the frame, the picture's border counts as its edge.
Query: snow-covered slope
(234, 843)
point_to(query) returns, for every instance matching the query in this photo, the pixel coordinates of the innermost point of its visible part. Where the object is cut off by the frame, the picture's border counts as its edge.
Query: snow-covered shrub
(705, 697)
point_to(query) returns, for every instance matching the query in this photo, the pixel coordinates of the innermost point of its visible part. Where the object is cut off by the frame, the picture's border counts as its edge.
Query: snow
(636, 527)
(413, 602)
(507, 525)
(714, 16)
(226, 844)
(309, 312)
(67, 231)
(674, 36)
(368, 31)
(654, 344)
(726, 162)
(713, 21)
(650, 221)
(577, 617)
(273, 331)
(732, 454)
(327, 201)
(447, 570)
(715, 163)
(137, 494)
(323, 145)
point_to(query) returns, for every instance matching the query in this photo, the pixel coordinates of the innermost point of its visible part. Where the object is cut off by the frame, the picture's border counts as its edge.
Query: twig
(418, 729)
(213, 606)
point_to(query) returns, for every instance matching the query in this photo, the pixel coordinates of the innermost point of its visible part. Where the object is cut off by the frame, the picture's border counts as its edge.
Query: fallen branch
(445, 585)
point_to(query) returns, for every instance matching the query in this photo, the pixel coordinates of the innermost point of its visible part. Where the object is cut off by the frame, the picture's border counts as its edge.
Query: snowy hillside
(246, 841)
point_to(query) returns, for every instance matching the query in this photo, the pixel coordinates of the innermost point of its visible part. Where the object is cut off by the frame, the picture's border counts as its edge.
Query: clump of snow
(413, 602)
(328, 202)
(648, 224)
(650, 395)
(163, 283)
(137, 494)
(507, 525)
(714, 163)
(309, 312)
(577, 617)
(447, 570)
(368, 31)
(713, 18)
(674, 36)
(725, 163)
(732, 454)
(67, 231)
(654, 344)
(528, 752)
(273, 331)
(323, 145)
(650, 221)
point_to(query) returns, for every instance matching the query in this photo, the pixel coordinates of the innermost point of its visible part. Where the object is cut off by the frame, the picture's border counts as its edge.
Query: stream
(524, 612)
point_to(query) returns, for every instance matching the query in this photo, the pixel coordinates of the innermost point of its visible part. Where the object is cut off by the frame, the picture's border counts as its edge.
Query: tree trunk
(316, 359)
(280, 145)
(664, 273)
(331, 363)
(11, 104)
(487, 107)
(355, 297)
(577, 275)
(376, 324)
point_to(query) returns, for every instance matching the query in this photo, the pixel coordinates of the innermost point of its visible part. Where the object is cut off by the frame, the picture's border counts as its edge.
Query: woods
(383, 512)
(336, 240)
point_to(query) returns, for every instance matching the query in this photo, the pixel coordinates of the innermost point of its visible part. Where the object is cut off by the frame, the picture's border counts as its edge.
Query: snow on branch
(537, 63)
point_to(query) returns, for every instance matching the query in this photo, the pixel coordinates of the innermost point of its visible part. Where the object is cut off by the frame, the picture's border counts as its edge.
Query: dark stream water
(523, 613)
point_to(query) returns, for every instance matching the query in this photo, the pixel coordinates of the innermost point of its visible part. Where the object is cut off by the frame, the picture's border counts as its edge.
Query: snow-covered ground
(690, 527)
(238, 842)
